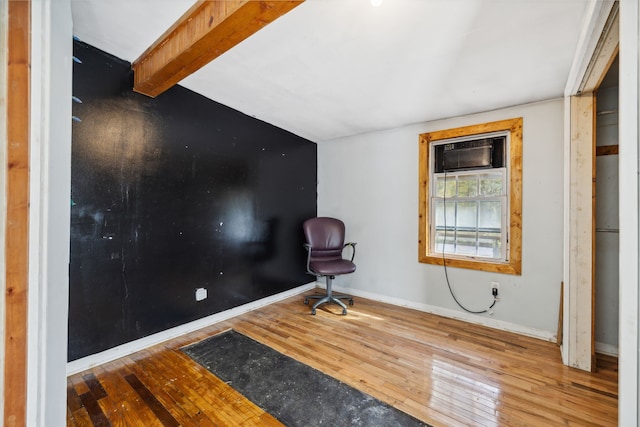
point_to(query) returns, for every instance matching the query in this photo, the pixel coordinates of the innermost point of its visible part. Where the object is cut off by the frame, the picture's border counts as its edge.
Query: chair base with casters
(325, 244)
(329, 297)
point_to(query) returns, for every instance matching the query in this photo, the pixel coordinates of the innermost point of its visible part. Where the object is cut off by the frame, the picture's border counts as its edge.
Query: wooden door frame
(581, 231)
(597, 51)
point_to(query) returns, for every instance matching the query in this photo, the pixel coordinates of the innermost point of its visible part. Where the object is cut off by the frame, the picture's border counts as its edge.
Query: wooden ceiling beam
(207, 30)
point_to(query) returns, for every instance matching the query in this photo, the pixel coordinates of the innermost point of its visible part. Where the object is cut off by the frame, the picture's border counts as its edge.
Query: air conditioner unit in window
(481, 153)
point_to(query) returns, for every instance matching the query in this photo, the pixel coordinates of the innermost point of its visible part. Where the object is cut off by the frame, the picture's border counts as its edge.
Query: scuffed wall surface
(172, 194)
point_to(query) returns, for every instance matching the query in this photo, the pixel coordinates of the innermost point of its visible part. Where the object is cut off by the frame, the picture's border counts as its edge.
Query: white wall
(371, 182)
(50, 190)
(629, 362)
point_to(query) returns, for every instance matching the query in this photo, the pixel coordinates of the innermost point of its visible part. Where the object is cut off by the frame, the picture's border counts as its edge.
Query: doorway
(607, 228)
(579, 338)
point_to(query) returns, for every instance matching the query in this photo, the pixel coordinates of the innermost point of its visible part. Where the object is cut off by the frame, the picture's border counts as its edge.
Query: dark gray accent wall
(172, 194)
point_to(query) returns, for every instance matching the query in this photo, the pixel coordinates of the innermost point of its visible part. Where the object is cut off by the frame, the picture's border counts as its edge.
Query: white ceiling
(335, 68)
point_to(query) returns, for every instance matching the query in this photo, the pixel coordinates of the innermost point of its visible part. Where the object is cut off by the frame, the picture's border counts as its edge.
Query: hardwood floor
(442, 371)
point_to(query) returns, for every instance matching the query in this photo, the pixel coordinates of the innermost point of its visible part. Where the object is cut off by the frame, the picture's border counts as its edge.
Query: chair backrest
(325, 236)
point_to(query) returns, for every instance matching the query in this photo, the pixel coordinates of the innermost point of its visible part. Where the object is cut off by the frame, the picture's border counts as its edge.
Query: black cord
(444, 260)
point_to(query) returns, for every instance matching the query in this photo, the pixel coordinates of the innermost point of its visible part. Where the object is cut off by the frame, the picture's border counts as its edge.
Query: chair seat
(332, 267)
(325, 244)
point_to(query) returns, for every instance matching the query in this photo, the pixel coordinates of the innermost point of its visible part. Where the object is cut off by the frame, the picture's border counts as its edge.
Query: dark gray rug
(292, 392)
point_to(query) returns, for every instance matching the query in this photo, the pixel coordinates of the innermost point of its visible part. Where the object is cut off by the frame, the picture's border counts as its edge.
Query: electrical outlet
(494, 289)
(201, 293)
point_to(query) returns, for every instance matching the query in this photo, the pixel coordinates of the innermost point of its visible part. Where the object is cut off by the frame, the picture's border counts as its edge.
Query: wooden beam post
(17, 216)
(581, 232)
(203, 33)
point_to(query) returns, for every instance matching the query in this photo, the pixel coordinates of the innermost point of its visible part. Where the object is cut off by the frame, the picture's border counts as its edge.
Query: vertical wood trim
(17, 225)
(560, 316)
(593, 229)
(581, 232)
(4, 19)
(423, 197)
(515, 194)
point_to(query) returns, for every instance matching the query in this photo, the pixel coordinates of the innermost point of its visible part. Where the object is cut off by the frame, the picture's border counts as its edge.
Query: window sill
(511, 267)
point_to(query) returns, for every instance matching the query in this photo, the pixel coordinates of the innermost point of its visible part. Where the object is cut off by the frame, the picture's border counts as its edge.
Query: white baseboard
(131, 347)
(608, 349)
(126, 349)
(453, 314)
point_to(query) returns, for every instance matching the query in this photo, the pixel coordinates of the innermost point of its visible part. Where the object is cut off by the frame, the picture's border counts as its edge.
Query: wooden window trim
(514, 264)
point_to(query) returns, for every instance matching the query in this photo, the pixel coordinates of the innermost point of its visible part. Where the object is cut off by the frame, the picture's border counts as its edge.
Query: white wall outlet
(201, 293)
(495, 286)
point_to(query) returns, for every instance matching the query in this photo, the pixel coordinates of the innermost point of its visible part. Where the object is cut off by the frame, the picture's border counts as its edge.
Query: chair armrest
(353, 249)
(308, 248)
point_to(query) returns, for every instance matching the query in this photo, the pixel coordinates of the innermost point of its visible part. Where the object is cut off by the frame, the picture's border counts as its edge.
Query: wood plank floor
(442, 371)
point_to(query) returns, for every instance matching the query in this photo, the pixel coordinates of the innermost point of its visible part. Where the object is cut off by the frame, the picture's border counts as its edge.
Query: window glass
(475, 204)
(468, 186)
(490, 215)
(491, 184)
(467, 215)
(449, 184)
(490, 229)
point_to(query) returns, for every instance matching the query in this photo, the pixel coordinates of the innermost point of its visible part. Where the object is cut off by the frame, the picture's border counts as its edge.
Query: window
(471, 197)
(475, 205)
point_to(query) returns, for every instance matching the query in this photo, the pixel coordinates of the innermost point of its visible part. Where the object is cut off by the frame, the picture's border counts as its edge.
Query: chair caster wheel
(306, 301)
(313, 312)
(351, 301)
(344, 312)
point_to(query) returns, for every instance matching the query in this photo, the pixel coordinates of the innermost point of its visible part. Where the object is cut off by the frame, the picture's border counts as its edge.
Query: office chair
(325, 243)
